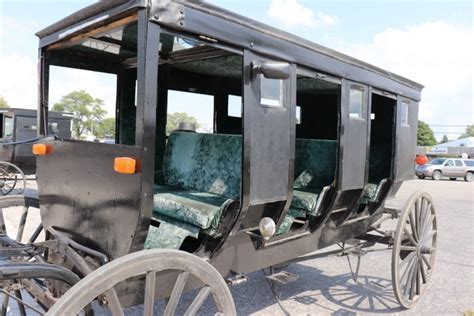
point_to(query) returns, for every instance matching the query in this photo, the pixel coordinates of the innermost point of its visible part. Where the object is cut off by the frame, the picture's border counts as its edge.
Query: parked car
(447, 167)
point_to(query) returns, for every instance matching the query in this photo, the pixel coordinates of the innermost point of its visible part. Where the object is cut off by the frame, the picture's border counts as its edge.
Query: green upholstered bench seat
(201, 209)
(202, 176)
(204, 209)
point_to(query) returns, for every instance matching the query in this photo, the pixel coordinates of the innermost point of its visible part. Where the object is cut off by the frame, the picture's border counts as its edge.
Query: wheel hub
(424, 250)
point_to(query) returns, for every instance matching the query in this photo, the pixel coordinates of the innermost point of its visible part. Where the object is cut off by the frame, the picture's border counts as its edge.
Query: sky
(430, 42)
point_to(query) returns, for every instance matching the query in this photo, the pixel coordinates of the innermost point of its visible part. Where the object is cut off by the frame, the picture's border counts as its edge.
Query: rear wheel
(436, 175)
(421, 177)
(149, 264)
(414, 249)
(468, 177)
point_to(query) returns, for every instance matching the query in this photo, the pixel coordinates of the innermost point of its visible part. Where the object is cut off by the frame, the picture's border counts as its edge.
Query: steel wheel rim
(414, 250)
(102, 281)
(469, 177)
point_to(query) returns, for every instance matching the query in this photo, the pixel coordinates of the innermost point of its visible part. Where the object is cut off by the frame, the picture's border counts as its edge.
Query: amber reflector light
(41, 149)
(125, 165)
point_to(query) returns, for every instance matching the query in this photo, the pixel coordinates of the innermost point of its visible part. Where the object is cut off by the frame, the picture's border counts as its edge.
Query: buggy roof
(119, 7)
(32, 113)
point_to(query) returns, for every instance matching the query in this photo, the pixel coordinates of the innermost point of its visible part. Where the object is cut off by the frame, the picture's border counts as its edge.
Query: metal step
(283, 277)
(237, 279)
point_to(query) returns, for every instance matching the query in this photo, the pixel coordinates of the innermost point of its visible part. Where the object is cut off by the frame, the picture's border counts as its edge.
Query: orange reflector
(41, 149)
(125, 165)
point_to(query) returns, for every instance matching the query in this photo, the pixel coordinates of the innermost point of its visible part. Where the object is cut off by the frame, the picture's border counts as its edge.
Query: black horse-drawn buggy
(320, 142)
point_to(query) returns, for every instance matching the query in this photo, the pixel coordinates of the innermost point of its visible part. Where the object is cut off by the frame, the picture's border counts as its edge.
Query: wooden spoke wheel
(414, 249)
(11, 178)
(148, 264)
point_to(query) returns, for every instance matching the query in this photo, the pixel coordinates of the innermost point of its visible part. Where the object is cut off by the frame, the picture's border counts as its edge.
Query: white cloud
(436, 54)
(292, 13)
(18, 81)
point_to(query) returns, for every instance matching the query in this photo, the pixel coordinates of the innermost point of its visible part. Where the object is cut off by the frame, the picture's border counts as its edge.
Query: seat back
(204, 162)
(315, 163)
(213, 162)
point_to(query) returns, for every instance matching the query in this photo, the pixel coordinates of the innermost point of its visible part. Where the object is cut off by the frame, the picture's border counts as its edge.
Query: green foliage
(3, 103)
(105, 128)
(469, 132)
(87, 111)
(425, 136)
(444, 140)
(174, 119)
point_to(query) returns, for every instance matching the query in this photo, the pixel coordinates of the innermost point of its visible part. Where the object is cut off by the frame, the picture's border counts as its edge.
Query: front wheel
(436, 175)
(453, 179)
(149, 265)
(468, 177)
(421, 177)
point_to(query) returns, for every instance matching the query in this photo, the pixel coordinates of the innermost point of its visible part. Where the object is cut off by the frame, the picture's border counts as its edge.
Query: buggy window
(93, 77)
(404, 113)
(449, 163)
(193, 108)
(8, 126)
(271, 92)
(234, 107)
(356, 100)
(458, 163)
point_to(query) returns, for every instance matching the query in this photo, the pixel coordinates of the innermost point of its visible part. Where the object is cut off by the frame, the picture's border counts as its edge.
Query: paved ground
(325, 285)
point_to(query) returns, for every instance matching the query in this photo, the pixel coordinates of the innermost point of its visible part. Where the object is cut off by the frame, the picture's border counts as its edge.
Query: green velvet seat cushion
(201, 209)
(204, 163)
(304, 200)
(315, 164)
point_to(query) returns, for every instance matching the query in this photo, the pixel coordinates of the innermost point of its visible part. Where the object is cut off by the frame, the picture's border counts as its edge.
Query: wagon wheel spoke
(410, 237)
(114, 303)
(414, 237)
(150, 284)
(198, 301)
(426, 261)
(176, 294)
(423, 272)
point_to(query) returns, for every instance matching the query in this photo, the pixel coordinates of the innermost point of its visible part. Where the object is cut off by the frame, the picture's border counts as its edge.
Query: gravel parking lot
(326, 287)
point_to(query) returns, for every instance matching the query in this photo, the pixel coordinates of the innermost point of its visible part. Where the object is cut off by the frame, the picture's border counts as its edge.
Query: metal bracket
(169, 13)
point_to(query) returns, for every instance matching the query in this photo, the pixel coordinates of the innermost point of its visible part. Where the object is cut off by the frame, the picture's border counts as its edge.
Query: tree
(105, 129)
(444, 140)
(425, 136)
(179, 117)
(87, 111)
(469, 132)
(3, 103)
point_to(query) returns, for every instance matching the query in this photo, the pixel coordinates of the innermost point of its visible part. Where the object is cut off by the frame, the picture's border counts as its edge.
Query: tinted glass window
(449, 163)
(469, 163)
(437, 161)
(458, 163)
